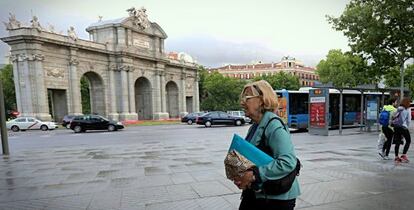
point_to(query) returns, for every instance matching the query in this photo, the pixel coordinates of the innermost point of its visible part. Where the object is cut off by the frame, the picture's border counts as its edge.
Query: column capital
(122, 67)
(73, 61)
(159, 72)
(13, 58)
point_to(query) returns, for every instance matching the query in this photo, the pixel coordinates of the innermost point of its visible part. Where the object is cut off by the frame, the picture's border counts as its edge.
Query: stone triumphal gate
(130, 77)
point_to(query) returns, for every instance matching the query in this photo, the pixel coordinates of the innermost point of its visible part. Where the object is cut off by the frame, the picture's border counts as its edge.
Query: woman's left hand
(243, 182)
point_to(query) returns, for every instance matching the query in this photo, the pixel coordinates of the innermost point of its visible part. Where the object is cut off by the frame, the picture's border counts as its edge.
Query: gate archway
(94, 87)
(143, 98)
(172, 99)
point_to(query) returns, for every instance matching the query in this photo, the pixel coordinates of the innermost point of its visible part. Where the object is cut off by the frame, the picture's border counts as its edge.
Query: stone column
(16, 76)
(131, 92)
(121, 36)
(129, 37)
(25, 86)
(157, 96)
(182, 94)
(74, 84)
(162, 92)
(42, 111)
(113, 113)
(196, 104)
(124, 93)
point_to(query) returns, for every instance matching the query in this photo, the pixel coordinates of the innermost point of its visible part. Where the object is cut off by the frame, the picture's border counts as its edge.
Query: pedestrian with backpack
(275, 185)
(385, 120)
(401, 122)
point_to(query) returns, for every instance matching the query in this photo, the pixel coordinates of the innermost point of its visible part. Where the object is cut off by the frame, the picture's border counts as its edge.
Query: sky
(213, 32)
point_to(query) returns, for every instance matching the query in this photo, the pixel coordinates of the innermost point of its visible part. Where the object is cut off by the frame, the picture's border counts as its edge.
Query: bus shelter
(323, 109)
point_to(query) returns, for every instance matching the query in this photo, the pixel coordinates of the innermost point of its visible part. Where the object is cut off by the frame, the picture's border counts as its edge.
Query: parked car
(240, 114)
(191, 117)
(219, 118)
(29, 123)
(94, 122)
(67, 119)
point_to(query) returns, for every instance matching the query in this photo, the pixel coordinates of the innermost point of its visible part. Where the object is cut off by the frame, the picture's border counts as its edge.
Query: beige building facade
(130, 76)
(307, 75)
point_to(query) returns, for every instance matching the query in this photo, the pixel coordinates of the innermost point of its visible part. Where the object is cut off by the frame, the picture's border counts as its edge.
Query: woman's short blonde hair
(266, 92)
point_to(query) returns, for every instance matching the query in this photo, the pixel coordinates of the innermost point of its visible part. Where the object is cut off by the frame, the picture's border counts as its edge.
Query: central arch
(96, 93)
(172, 99)
(143, 98)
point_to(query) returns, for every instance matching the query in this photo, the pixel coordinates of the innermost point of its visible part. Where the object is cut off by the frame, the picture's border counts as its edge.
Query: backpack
(397, 120)
(384, 118)
(282, 185)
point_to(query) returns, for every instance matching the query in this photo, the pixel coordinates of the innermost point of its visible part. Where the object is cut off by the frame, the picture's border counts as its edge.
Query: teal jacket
(283, 153)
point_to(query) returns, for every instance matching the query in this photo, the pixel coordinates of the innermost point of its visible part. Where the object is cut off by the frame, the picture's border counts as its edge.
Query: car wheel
(111, 128)
(238, 122)
(190, 122)
(207, 124)
(15, 128)
(77, 129)
(43, 128)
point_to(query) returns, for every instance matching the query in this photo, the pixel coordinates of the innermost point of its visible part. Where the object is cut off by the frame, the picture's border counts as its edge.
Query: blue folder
(249, 151)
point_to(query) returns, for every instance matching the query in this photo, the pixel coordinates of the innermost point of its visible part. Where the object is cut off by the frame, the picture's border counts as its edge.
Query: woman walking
(269, 134)
(401, 122)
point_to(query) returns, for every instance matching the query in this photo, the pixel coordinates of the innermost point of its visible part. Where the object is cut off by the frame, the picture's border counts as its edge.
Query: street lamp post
(4, 139)
(402, 82)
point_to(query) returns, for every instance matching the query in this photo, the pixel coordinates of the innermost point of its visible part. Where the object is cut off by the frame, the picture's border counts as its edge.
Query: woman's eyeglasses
(245, 98)
(256, 93)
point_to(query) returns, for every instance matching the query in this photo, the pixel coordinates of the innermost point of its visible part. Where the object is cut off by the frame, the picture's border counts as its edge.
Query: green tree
(202, 74)
(379, 30)
(342, 69)
(85, 96)
(221, 93)
(6, 76)
(281, 80)
(392, 79)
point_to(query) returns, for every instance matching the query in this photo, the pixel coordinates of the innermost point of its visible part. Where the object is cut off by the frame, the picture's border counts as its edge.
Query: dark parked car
(191, 117)
(94, 122)
(219, 118)
(67, 119)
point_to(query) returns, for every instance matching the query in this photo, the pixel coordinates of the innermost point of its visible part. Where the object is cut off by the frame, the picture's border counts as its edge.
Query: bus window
(298, 103)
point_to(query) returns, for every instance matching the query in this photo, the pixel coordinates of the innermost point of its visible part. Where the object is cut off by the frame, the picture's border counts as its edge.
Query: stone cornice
(31, 35)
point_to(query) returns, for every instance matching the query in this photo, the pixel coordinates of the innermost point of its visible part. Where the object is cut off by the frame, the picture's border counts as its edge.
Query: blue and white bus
(294, 107)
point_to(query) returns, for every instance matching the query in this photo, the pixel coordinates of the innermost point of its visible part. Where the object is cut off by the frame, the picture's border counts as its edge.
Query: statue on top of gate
(140, 17)
(13, 22)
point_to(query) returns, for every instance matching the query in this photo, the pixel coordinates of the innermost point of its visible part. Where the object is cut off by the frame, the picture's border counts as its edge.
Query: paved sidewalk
(340, 172)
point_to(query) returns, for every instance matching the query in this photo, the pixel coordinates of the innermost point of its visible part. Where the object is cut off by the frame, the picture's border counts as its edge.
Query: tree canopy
(392, 79)
(281, 80)
(220, 93)
(379, 30)
(6, 76)
(342, 69)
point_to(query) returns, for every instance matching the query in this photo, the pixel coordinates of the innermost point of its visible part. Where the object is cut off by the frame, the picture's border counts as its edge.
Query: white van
(240, 114)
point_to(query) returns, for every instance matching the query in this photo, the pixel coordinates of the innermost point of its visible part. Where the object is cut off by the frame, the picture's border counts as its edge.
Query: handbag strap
(263, 145)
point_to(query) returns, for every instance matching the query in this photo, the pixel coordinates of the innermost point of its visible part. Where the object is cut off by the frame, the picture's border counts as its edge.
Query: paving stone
(186, 204)
(214, 203)
(70, 202)
(180, 178)
(179, 171)
(181, 192)
(210, 188)
(106, 200)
